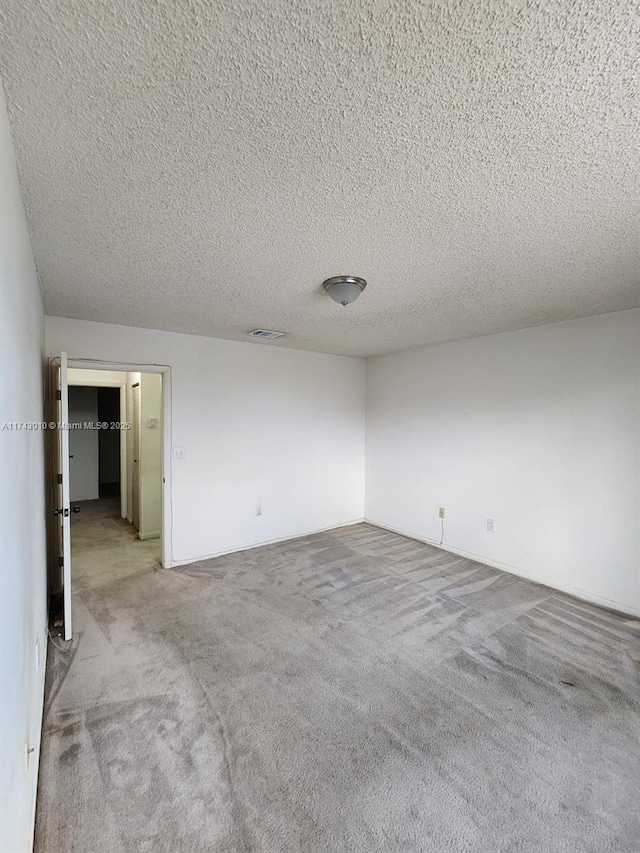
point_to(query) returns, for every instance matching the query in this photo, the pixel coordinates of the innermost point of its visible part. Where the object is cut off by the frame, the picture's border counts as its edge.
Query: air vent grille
(265, 333)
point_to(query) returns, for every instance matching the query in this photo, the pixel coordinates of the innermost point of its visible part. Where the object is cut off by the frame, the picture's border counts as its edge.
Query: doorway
(115, 470)
(114, 511)
(95, 468)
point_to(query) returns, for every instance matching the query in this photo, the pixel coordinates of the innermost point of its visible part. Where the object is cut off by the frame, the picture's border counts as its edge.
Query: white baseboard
(145, 536)
(223, 553)
(582, 594)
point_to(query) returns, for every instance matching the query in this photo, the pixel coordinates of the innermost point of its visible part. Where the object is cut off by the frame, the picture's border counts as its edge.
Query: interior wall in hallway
(150, 455)
(84, 443)
(148, 467)
(270, 441)
(536, 430)
(109, 439)
(22, 512)
(132, 379)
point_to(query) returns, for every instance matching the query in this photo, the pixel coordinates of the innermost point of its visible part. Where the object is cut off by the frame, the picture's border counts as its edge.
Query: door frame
(166, 557)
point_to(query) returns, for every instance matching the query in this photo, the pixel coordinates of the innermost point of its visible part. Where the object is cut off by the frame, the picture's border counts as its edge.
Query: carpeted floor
(106, 547)
(352, 691)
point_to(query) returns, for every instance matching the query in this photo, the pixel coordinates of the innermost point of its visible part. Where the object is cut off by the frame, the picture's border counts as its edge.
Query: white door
(62, 506)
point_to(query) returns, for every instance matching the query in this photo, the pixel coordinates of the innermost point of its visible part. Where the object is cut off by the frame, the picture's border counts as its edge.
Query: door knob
(75, 509)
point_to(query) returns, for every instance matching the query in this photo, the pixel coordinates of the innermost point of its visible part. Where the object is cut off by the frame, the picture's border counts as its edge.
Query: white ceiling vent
(265, 333)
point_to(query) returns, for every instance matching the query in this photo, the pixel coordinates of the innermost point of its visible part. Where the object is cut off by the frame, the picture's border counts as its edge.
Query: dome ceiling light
(344, 288)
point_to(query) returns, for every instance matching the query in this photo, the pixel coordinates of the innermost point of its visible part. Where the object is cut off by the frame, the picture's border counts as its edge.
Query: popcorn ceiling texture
(202, 167)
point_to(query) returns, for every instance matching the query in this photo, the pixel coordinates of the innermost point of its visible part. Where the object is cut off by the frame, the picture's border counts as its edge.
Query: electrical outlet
(258, 509)
(491, 525)
(178, 453)
(441, 512)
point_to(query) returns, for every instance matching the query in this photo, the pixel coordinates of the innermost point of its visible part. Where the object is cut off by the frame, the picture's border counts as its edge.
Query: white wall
(537, 429)
(22, 512)
(83, 444)
(150, 455)
(259, 425)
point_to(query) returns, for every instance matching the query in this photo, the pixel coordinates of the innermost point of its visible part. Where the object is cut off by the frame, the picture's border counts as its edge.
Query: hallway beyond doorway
(105, 547)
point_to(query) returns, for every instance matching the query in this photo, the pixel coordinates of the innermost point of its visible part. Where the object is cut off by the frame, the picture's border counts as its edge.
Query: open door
(62, 503)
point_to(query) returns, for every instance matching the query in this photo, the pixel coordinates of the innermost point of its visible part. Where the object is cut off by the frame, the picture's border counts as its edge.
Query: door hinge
(61, 561)
(58, 394)
(59, 479)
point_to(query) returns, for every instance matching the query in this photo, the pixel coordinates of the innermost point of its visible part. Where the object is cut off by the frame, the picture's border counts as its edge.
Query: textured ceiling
(203, 166)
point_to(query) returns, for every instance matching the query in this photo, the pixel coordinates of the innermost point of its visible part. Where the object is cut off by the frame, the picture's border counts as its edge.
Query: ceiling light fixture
(344, 288)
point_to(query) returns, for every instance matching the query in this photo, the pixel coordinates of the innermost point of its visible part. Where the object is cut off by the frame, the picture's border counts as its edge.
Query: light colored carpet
(350, 691)
(106, 547)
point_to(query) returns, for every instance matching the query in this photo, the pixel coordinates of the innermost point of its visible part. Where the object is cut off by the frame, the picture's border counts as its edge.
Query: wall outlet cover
(491, 525)
(441, 512)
